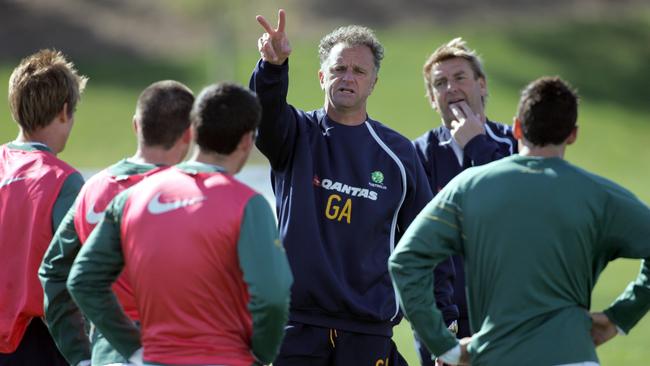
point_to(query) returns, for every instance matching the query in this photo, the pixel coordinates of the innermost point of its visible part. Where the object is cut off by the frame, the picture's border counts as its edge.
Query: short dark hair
(222, 114)
(39, 87)
(163, 112)
(548, 111)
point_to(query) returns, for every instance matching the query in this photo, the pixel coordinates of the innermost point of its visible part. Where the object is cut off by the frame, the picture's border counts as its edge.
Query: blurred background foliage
(601, 46)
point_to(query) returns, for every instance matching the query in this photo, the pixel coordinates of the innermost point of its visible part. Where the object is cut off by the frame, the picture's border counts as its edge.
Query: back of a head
(40, 86)
(352, 36)
(163, 113)
(222, 114)
(548, 111)
(456, 48)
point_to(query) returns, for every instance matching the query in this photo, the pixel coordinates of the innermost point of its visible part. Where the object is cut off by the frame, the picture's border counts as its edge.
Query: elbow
(277, 299)
(75, 285)
(278, 302)
(393, 264)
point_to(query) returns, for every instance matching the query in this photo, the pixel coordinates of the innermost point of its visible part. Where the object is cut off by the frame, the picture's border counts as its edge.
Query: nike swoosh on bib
(92, 216)
(8, 181)
(156, 207)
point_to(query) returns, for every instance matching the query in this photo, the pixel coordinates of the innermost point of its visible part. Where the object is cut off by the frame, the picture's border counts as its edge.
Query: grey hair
(352, 36)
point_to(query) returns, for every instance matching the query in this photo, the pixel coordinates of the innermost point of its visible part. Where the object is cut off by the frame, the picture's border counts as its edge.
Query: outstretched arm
(270, 80)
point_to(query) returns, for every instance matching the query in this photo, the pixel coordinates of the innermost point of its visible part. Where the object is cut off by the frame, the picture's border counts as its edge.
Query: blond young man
(36, 190)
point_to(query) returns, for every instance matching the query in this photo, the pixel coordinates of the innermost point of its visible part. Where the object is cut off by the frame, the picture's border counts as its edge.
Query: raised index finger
(267, 27)
(282, 20)
(456, 110)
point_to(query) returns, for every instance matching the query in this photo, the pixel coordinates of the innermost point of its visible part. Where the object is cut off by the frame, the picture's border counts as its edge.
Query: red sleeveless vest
(93, 199)
(179, 238)
(30, 182)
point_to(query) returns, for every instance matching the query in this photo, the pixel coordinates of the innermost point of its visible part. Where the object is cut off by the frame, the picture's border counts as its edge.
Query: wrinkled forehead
(345, 54)
(451, 67)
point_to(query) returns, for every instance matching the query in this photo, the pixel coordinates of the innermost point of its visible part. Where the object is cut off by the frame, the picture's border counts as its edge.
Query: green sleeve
(627, 229)
(434, 235)
(96, 267)
(268, 276)
(62, 316)
(632, 305)
(66, 198)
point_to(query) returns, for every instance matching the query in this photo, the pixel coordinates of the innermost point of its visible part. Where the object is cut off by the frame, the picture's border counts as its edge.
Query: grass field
(606, 60)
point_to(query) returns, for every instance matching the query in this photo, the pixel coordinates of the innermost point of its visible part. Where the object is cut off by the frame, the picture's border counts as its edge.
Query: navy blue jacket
(441, 165)
(344, 196)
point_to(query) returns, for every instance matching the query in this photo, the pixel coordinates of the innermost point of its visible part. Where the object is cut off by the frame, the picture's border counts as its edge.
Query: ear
(573, 136)
(187, 136)
(483, 86)
(135, 125)
(247, 141)
(432, 100)
(516, 129)
(63, 116)
(321, 79)
(374, 83)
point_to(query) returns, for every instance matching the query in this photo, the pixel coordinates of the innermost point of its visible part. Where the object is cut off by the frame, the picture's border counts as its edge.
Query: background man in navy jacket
(456, 86)
(346, 188)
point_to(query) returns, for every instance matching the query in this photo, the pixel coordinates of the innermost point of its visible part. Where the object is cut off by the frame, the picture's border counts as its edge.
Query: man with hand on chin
(529, 283)
(456, 86)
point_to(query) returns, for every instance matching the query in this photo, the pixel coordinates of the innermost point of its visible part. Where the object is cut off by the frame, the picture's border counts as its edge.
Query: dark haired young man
(530, 281)
(161, 123)
(36, 190)
(200, 249)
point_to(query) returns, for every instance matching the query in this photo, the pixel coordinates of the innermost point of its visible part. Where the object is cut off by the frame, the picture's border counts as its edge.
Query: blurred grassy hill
(606, 58)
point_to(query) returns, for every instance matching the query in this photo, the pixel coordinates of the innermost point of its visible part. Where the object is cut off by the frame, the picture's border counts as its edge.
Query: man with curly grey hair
(346, 187)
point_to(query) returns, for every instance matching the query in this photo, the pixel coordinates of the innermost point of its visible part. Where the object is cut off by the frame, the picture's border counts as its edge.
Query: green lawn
(606, 60)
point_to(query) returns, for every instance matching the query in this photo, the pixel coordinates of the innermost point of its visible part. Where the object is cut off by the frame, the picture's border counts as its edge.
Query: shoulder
(602, 184)
(389, 136)
(500, 129)
(242, 188)
(428, 139)
(96, 179)
(59, 165)
(484, 173)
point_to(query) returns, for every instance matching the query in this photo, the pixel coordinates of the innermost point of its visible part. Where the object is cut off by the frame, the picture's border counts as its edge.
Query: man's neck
(37, 137)
(348, 118)
(155, 155)
(548, 151)
(229, 162)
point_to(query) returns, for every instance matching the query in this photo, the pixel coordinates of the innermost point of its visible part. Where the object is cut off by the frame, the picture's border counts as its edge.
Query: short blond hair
(456, 48)
(39, 87)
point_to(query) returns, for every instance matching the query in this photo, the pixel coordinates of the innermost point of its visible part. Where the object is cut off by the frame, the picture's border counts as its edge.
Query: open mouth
(456, 101)
(346, 91)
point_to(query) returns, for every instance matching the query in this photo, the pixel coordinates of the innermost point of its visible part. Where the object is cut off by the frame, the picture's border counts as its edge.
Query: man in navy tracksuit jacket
(346, 188)
(456, 86)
